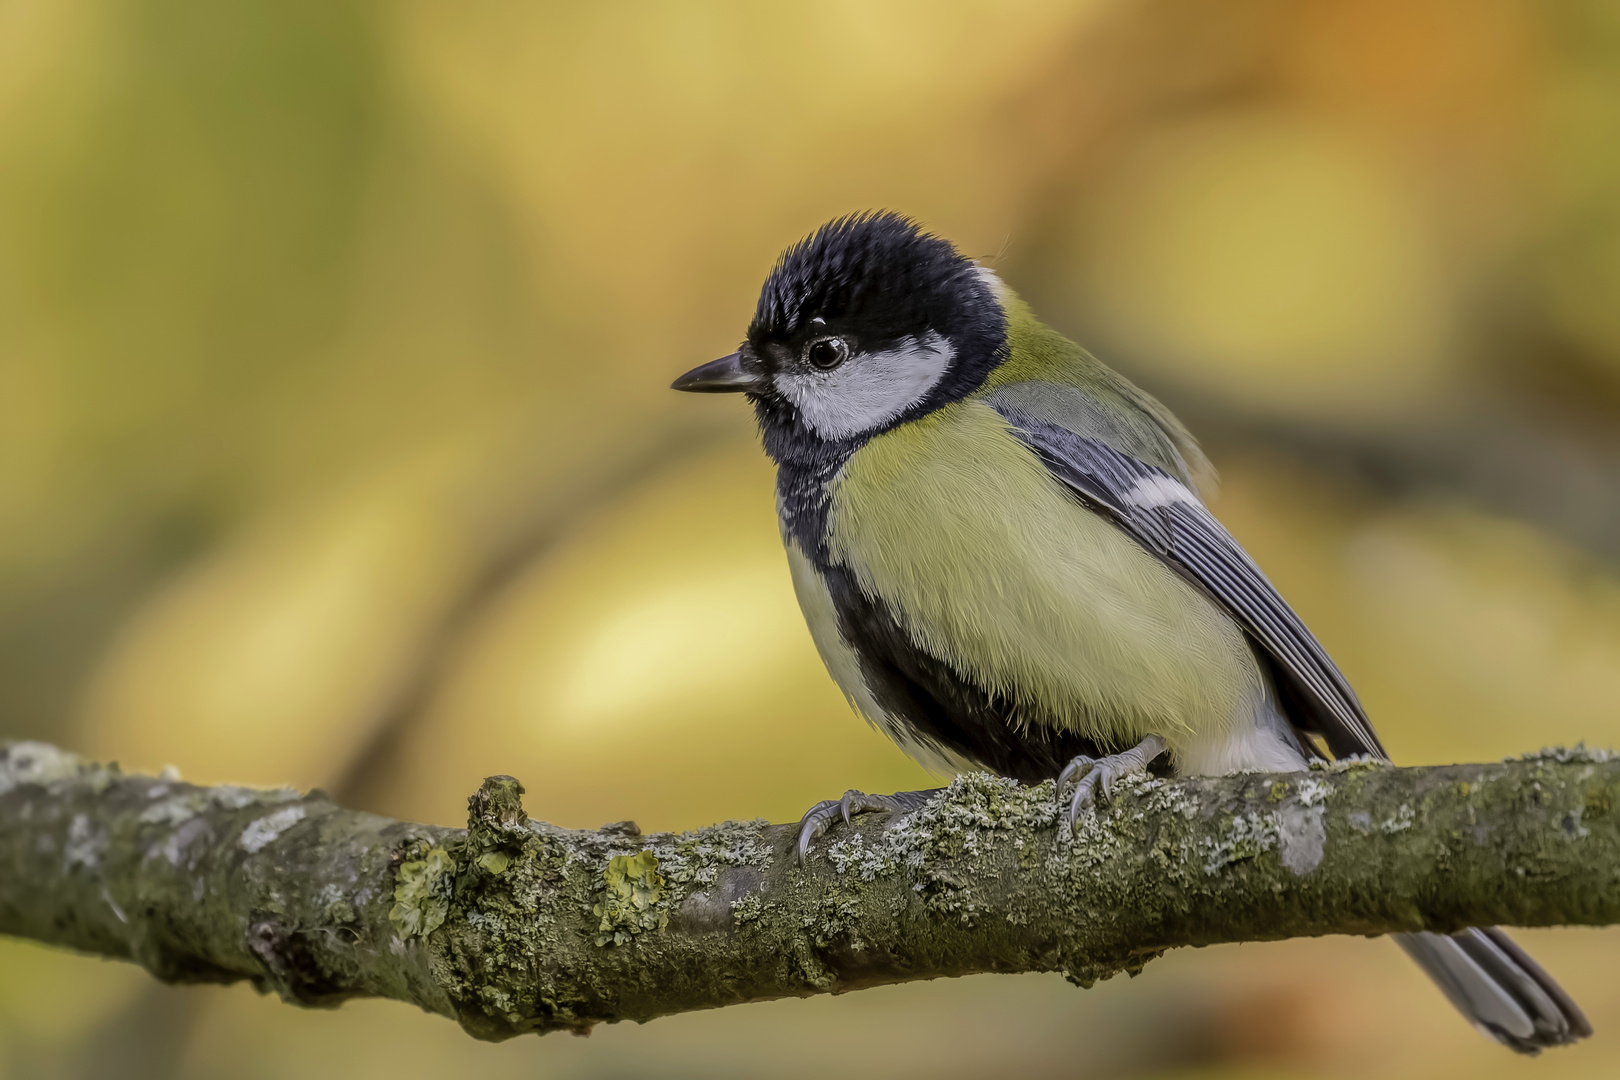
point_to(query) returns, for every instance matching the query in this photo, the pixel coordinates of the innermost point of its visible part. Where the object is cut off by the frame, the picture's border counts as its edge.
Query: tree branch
(513, 926)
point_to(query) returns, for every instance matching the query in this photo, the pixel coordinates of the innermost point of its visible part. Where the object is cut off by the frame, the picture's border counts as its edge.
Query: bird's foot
(1088, 774)
(820, 817)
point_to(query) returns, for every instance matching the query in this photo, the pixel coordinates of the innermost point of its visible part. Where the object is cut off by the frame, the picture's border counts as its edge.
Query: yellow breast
(991, 565)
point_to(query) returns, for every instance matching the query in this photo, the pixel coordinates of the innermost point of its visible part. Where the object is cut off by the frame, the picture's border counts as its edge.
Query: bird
(1002, 554)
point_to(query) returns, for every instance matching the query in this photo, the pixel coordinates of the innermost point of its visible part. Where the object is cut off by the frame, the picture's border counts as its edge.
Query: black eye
(827, 353)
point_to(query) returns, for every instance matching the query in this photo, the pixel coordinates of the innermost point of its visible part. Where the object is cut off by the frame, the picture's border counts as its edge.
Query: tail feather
(1580, 1027)
(1499, 988)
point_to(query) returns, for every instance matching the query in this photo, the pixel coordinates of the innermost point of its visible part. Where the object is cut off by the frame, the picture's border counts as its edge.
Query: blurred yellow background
(335, 444)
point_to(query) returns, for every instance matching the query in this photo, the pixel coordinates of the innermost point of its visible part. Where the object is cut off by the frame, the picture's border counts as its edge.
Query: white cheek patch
(871, 389)
(1152, 492)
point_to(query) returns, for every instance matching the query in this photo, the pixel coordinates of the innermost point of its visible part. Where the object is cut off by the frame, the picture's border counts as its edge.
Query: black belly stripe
(936, 702)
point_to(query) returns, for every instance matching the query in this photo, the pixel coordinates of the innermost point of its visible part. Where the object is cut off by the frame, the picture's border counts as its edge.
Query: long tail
(1501, 991)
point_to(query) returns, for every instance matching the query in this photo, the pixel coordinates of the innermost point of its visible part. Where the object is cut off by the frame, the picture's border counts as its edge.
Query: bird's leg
(819, 817)
(1089, 773)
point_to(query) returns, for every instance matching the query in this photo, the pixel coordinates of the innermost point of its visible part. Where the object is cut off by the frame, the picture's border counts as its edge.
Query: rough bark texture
(514, 926)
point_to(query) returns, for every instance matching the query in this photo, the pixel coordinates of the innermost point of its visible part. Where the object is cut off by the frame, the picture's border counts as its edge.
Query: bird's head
(865, 324)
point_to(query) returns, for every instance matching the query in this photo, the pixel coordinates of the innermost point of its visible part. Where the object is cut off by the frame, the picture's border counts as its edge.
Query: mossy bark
(514, 926)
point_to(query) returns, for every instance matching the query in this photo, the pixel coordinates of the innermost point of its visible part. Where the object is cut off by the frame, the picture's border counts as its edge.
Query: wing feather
(1164, 516)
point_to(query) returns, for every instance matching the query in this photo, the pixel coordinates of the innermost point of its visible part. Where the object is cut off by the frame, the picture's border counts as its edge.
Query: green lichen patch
(853, 855)
(1312, 792)
(629, 904)
(1243, 836)
(497, 805)
(696, 858)
(1597, 802)
(1350, 763)
(262, 832)
(497, 824)
(1160, 796)
(1402, 819)
(956, 822)
(959, 836)
(422, 891)
(830, 917)
(41, 764)
(231, 797)
(749, 908)
(1579, 754)
(176, 809)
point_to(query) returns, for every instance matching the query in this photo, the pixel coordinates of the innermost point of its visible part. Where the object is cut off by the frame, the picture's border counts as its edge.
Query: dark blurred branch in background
(537, 524)
(536, 518)
(1539, 469)
(514, 926)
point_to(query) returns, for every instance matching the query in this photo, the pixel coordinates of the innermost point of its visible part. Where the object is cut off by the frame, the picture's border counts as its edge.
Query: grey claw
(1072, 769)
(1085, 796)
(1082, 772)
(812, 825)
(1103, 772)
(821, 816)
(856, 802)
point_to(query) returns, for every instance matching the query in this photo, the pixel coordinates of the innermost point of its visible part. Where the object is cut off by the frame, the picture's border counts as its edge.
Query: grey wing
(1162, 514)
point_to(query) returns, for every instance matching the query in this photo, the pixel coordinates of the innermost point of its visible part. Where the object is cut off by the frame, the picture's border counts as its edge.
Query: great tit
(1000, 549)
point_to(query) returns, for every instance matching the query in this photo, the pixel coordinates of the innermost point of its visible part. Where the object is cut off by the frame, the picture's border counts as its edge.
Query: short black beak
(723, 376)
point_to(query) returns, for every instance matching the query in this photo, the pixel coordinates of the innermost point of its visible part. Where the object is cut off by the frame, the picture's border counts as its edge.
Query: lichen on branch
(513, 925)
